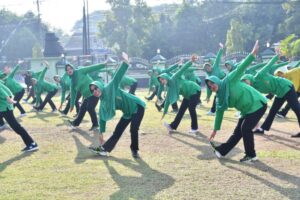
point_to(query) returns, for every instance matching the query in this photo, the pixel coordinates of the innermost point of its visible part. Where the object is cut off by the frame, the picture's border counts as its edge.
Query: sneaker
(4, 126)
(22, 115)
(280, 115)
(94, 128)
(32, 147)
(147, 98)
(237, 114)
(169, 128)
(175, 110)
(259, 131)
(72, 125)
(54, 111)
(296, 135)
(214, 147)
(62, 113)
(99, 151)
(193, 132)
(210, 113)
(135, 154)
(36, 108)
(158, 107)
(248, 159)
(25, 100)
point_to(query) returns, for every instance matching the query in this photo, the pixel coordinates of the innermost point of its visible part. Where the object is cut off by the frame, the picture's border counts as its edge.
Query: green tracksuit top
(11, 83)
(5, 92)
(191, 76)
(216, 71)
(266, 83)
(127, 82)
(123, 101)
(65, 84)
(80, 81)
(241, 96)
(43, 86)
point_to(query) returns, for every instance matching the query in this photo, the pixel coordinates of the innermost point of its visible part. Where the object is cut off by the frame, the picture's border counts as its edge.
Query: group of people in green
(241, 88)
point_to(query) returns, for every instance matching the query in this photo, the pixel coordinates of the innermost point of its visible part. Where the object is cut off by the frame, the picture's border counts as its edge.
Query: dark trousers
(213, 108)
(292, 100)
(48, 99)
(89, 104)
(287, 107)
(153, 93)
(14, 124)
(174, 106)
(17, 98)
(31, 94)
(67, 108)
(133, 88)
(244, 130)
(191, 105)
(135, 120)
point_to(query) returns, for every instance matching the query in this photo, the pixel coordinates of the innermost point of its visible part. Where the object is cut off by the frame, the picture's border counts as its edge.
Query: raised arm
(181, 71)
(42, 75)
(12, 74)
(275, 67)
(92, 68)
(267, 67)
(255, 67)
(170, 69)
(217, 62)
(116, 80)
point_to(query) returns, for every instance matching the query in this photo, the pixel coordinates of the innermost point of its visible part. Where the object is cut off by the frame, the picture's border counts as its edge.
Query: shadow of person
(5, 164)
(293, 144)
(291, 192)
(82, 150)
(206, 152)
(2, 139)
(144, 186)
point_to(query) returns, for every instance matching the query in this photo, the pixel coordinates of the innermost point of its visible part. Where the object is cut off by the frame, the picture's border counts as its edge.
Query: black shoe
(94, 128)
(62, 112)
(158, 107)
(135, 154)
(296, 135)
(175, 110)
(147, 98)
(248, 159)
(36, 108)
(214, 147)
(258, 131)
(71, 124)
(32, 147)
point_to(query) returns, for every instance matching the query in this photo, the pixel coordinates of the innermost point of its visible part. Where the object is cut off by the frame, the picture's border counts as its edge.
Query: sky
(62, 13)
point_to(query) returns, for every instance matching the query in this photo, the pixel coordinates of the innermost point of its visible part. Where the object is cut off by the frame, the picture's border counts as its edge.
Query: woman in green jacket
(80, 81)
(15, 87)
(6, 112)
(65, 84)
(113, 98)
(41, 85)
(214, 70)
(282, 88)
(231, 92)
(188, 89)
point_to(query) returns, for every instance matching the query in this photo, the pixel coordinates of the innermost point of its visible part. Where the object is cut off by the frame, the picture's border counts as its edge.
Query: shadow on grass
(290, 193)
(82, 150)
(144, 186)
(2, 139)
(281, 131)
(280, 140)
(205, 150)
(12, 160)
(44, 115)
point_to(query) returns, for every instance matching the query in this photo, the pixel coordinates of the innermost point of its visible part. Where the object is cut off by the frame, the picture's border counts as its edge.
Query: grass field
(180, 166)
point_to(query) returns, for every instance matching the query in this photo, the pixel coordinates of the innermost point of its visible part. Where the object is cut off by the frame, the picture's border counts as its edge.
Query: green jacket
(266, 83)
(80, 81)
(11, 83)
(113, 98)
(176, 86)
(191, 76)
(240, 95)
(127, 81)
(65, 84)
(252, 69)
(43, 86)
(216, 71)
(4, 93)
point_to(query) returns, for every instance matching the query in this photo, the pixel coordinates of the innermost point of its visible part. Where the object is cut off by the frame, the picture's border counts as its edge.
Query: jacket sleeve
(117, 78)
(42, 75)
(275, 67)
(12, 74)
(239, 71)
(181, 71)
(170, 69)
(217, 62)
(218, 119)
(92, 68)
(267, 67)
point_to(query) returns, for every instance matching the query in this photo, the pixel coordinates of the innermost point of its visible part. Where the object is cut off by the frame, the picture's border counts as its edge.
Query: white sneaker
(193, 132)
(217, 153)
(4, 126)
(169, 128)
(210, 113)
(54, 111)
(238, 114)
(22, 115)
(280, 115)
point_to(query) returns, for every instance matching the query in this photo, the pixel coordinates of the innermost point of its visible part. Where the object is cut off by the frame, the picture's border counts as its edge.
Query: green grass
(172, 167)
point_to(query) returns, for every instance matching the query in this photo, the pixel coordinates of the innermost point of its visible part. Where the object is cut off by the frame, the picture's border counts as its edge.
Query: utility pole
(39, 20)
(88, 28)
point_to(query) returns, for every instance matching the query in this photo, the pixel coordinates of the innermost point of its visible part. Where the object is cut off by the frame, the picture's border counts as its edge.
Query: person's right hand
(255, 48)
(221, 45)
(71, 109)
